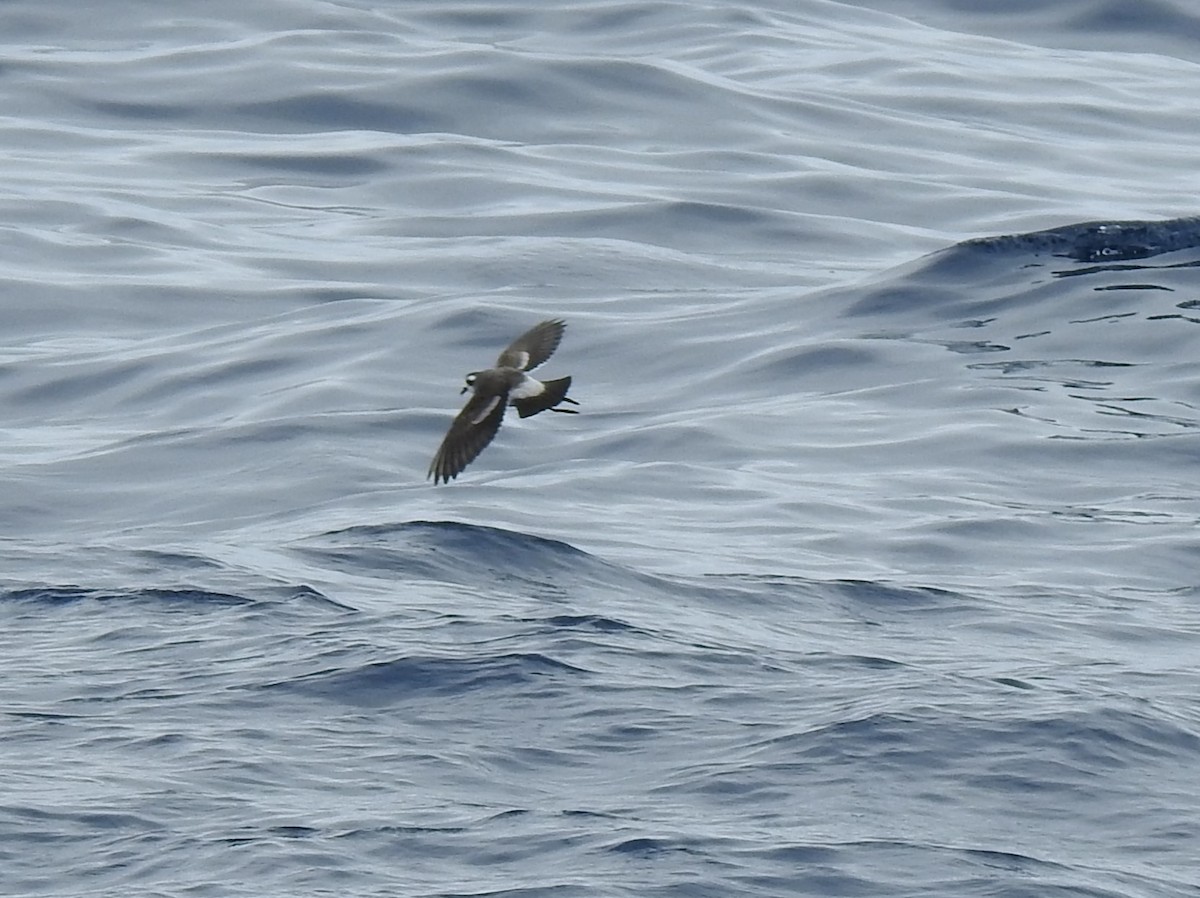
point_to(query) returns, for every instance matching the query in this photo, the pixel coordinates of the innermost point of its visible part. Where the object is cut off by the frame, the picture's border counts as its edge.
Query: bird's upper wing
(533, 347)
(469, 435)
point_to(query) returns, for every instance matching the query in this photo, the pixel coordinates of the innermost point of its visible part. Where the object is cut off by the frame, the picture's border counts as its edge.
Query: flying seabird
(496, 388)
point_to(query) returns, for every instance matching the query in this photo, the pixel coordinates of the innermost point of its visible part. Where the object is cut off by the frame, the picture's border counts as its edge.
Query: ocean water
(871, 566)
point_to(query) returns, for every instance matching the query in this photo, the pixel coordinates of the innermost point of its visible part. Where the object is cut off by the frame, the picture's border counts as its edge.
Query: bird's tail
(554, 393)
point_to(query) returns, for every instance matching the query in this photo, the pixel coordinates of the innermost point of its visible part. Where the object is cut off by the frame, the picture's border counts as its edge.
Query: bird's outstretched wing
(533, 347)
(469, 435)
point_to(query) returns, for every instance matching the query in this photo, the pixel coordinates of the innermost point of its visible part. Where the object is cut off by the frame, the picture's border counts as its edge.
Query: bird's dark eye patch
(471, 379)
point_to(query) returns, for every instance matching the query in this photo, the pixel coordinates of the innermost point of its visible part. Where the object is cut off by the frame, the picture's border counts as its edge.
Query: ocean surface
(871, 566)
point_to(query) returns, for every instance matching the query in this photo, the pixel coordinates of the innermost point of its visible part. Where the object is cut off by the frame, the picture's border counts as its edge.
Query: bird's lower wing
(469, 435)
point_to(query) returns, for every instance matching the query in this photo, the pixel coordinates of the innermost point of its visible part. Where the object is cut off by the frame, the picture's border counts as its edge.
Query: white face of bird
(471, 378)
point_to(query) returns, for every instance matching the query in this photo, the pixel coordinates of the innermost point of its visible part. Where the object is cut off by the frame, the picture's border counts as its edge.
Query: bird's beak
(463, 390)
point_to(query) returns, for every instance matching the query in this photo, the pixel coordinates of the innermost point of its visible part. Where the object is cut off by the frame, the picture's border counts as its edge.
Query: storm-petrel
(493, 390)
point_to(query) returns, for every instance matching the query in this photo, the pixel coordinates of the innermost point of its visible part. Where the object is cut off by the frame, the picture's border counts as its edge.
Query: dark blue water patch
(420, 558)
(316, 112)
(976, 280)
(1071, 747)
(62, 595)
(1111, 738)
(1168, 27)
(85, 820)
(850, 665)
(1069, 345)
(404, 679)
(140, 113)
(1098, 241)
(455, 552)
(164, 598)
(586, 622)
(157, 560)
(403, 831)
(357, 165)
(648, 847)
(896, 597)
(868, 601)
(920, 866)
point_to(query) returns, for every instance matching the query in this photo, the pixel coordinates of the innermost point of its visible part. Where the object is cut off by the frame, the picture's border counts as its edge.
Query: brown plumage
(497, 388)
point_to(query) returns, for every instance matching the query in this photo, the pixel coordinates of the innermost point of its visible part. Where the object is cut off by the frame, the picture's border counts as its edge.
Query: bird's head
(471, 378)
